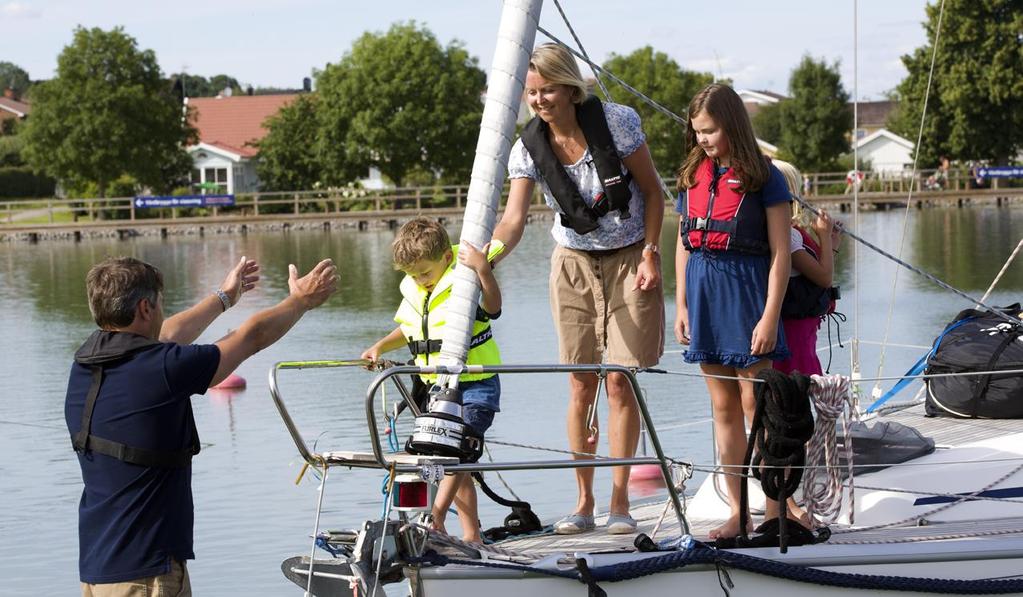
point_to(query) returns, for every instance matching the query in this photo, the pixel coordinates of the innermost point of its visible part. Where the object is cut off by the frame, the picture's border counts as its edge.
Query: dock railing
(350, 202)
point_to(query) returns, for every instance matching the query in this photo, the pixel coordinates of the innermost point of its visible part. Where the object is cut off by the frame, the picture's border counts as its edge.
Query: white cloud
(20, 10)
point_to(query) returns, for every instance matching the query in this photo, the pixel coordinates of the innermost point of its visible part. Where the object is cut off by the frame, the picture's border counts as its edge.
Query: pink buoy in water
(646, 472)
(231, 382)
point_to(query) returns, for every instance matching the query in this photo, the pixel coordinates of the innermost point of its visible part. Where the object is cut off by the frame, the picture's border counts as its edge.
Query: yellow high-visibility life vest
(422, 316)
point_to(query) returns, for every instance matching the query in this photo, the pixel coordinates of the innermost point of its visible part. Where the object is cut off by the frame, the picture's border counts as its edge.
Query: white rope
(876, 392)
(1000, 273)
(832, 398)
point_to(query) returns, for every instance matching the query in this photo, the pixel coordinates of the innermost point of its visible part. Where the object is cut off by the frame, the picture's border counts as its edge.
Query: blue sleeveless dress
(726, 294)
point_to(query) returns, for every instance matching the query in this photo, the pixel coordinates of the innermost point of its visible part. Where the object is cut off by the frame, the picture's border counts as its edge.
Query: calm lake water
(249, 513)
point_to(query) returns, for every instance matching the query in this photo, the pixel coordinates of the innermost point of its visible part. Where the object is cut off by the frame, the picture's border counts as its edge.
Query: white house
(886, 152)
(224, 160)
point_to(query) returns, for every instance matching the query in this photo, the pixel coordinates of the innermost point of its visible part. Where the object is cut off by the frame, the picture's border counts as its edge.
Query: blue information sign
(144, 201)
(1001, 172)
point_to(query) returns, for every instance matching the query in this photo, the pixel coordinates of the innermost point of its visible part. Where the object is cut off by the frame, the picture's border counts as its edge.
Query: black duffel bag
(978, 341)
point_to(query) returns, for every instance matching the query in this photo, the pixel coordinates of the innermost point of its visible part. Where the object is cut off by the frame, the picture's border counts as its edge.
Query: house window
(861, 133)
(214, 181)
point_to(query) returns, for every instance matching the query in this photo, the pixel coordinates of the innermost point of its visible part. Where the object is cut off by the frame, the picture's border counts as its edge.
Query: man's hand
(241, 279)
(315, 287)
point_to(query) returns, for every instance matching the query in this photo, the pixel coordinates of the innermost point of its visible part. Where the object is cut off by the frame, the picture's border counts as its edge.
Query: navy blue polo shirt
(133, 519)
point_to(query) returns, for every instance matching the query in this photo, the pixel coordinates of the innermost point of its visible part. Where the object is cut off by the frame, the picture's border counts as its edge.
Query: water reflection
(249, 513)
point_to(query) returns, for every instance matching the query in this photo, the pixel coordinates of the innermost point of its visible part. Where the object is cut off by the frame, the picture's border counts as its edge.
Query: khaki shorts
(173, 584)
(598, 316)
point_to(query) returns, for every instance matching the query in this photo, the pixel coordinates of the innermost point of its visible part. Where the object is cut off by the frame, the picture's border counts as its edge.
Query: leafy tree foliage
(663, 80)
(15, 78)
(975, 107)
(400, 101)
(108, 112)
(287, 155)
(200, 86)
(816, 118)
(767, 123)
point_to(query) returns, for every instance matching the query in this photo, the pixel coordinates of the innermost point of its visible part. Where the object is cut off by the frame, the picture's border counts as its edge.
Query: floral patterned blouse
(614, 232)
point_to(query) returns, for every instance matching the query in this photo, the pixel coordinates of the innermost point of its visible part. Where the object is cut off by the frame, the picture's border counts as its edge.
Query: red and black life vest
(576, 213)
(718, 217)
(803, 298)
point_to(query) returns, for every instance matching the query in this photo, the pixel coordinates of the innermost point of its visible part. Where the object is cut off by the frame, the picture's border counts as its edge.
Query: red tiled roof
(9, 105)
(233, 122)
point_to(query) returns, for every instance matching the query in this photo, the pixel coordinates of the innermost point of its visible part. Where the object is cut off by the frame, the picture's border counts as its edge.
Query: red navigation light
(414, 495)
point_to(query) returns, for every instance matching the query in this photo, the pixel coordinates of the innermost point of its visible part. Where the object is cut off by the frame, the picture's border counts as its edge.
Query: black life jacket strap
(576, 214)
(84, 440)
(418, 347)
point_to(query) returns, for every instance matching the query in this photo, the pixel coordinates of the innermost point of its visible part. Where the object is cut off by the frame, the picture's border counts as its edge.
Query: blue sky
(277, 42)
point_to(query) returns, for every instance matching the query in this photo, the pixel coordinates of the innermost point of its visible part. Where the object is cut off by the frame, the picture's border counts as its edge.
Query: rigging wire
(876, 392)
(579, 43)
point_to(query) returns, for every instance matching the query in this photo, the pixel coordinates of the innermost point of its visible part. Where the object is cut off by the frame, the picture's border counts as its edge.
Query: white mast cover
(519, 21)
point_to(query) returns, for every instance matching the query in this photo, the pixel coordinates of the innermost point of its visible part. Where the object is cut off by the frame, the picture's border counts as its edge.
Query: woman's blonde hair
(794, 180)
(721, 103)
(557, 65)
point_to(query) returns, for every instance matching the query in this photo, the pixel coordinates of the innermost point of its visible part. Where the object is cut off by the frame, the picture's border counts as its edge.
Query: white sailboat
(947, 522)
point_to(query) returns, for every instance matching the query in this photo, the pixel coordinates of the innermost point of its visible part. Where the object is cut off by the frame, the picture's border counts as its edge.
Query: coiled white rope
(832, 398)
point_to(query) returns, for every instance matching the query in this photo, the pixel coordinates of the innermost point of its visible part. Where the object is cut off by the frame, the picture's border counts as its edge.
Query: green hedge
(19, 182)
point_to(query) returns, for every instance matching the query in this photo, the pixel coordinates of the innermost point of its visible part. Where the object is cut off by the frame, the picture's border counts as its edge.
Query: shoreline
(392, 219)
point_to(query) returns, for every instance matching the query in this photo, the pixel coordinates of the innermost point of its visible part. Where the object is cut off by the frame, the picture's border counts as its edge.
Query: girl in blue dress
(732, 266)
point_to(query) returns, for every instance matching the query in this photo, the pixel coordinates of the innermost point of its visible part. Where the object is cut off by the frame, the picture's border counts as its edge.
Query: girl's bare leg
(730, 431)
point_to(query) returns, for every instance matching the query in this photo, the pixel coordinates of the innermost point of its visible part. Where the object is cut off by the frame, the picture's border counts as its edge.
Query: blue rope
(392, 437)
(702, 554)
(909, 376)
(386, 494)
(321, 542)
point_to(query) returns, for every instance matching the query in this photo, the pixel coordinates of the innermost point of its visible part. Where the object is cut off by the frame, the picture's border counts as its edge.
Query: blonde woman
(592, 162)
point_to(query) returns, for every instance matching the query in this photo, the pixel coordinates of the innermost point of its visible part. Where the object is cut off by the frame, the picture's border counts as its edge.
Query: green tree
(200, 86)
(767, 123)
(15, 78)
(400, 101)
(816, 118)
(108, 112)
(287, 154)
(975, 107)
(664, 81)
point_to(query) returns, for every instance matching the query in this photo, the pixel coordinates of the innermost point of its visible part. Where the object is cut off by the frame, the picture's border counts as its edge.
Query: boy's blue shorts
(480, 401)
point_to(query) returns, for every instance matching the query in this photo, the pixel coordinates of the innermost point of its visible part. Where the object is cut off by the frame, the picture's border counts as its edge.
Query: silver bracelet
(225, 301)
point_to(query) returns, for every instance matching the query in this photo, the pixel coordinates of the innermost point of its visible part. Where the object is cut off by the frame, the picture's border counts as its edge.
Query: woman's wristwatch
(653, 248)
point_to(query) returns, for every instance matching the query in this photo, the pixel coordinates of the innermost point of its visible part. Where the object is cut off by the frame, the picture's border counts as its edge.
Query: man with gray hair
(129, 413)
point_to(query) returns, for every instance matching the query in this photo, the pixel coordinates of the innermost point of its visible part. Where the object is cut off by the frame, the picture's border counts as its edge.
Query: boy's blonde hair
(555, 64)
(794, 180)
(419, 239)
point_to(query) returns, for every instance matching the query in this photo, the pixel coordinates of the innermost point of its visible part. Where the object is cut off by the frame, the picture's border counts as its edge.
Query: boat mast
(519, 20)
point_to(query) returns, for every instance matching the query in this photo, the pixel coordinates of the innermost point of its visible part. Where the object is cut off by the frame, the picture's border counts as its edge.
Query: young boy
(423, 251)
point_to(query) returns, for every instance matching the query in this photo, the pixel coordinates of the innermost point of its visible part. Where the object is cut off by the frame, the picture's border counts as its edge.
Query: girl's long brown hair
(725, 106)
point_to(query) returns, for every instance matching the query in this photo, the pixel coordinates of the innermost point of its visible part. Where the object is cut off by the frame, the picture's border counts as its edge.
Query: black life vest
(576, 213)
(803, 298)
(717, 217)
(102, 349)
